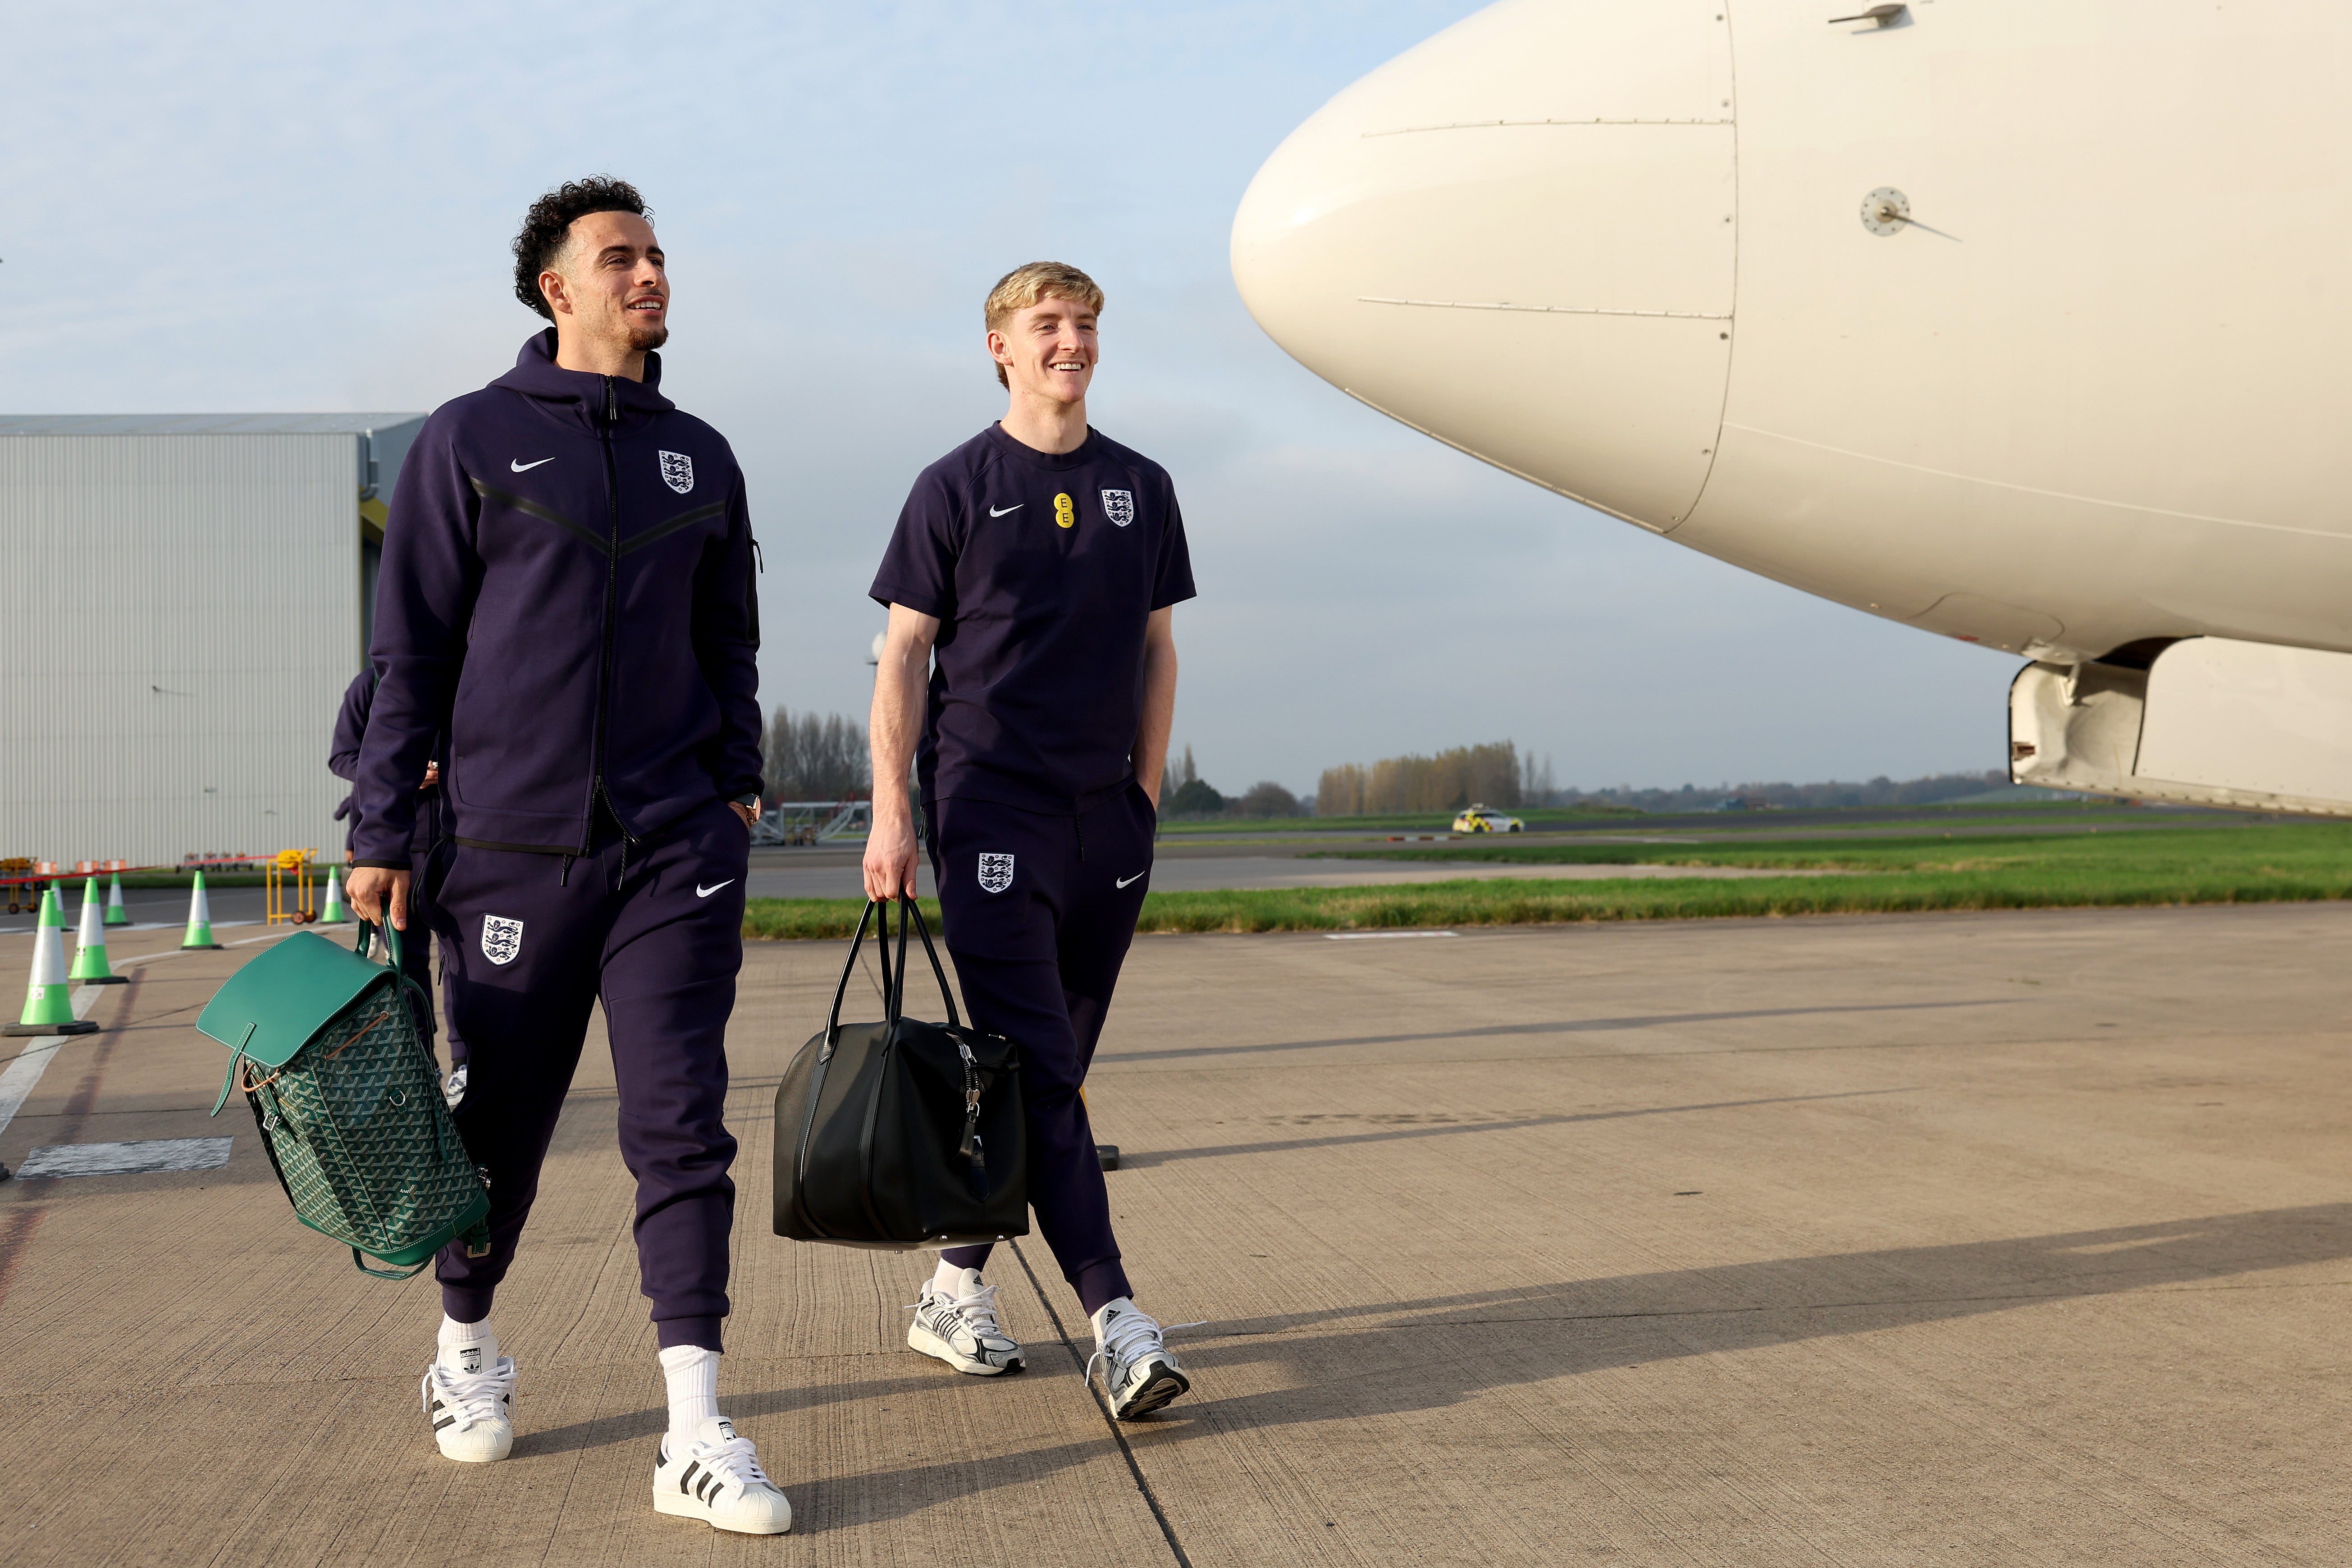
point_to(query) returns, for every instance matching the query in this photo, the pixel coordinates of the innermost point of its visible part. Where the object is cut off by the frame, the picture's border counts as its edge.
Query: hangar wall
(180, 611)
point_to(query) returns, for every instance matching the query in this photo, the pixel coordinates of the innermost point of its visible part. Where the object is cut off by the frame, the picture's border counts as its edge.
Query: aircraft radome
(2025, 324)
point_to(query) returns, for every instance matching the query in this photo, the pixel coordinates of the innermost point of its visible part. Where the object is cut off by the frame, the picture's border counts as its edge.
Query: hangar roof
(199, 424)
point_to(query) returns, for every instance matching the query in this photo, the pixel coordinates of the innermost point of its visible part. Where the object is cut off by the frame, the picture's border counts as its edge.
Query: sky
(308, 208)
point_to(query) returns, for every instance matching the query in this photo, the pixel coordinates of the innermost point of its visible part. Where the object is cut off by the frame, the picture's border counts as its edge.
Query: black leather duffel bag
(900, 1134)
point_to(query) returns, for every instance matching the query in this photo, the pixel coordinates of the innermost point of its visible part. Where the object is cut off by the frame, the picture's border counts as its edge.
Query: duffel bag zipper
(972, 1149)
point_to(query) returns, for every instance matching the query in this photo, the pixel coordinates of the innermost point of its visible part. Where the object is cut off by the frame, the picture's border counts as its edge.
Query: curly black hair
(549, 220)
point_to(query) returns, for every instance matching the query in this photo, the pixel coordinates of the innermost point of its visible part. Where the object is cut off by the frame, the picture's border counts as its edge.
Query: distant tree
(1265, 798)
(1174, 774)
(1466, 775)
(808, 758)
(1193, 798)
(1341, 790)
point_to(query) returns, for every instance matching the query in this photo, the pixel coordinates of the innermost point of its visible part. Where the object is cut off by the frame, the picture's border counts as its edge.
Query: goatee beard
(643, 338)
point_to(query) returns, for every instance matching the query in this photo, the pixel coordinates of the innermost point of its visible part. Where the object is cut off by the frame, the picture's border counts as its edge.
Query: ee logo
(1065, 512)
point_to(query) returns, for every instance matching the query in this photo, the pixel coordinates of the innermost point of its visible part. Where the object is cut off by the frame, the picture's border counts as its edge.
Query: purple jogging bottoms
(653, 930)
(1039, 912)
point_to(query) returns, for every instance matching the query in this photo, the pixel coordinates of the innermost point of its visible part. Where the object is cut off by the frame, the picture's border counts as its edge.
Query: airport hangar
(187, 597)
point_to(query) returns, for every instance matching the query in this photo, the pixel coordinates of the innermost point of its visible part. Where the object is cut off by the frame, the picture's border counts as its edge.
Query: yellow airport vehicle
(1485, 819)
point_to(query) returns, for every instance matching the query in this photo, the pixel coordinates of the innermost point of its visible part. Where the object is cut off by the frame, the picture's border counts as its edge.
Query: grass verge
(2264, 863)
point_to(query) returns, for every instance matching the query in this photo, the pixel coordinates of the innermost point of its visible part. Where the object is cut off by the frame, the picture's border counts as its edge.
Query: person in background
(417, 941)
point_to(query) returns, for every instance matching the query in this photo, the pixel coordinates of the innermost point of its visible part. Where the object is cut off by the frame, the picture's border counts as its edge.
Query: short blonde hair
(1025, 285)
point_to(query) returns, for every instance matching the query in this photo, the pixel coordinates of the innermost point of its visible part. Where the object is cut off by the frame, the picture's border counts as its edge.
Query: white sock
(692, 1374)
(947, 1278)
(466, 1347)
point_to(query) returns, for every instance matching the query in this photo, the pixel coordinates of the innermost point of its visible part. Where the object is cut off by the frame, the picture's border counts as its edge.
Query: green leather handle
(235, 1056)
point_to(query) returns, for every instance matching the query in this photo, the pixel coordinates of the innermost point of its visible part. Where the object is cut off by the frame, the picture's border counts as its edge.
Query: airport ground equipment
(116, 915)
(812, 821)
(900, 1134)
(200, 918)
(48, 1000)
(348, 1101)
(287, 879)
(89, 943)
(333, 913)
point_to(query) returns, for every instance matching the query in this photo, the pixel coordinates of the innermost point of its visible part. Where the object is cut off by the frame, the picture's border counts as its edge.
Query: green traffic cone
(335, 914)
(89, 946)
(200, 918)
(49, 1007)
(116, 915)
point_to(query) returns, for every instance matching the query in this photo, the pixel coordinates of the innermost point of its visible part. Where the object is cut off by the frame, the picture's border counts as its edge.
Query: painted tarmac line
(22, 1074)
(1381, 935)
(137, 1157)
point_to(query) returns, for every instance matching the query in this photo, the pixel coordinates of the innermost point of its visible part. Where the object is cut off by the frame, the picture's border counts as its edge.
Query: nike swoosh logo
(1136, 878)
(526, 468)
(702, 892)
(1016, 506)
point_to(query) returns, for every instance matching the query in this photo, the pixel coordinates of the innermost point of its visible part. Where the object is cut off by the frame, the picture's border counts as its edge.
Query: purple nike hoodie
(570, 593)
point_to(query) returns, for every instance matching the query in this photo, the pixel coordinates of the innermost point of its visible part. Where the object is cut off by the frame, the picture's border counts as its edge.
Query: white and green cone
(200, 918)
(335, 914)
(48, 1000)
(89, 944)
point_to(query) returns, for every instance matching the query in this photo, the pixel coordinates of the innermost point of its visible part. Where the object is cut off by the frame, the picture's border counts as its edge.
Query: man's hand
(890, 854)
(366, 888)
(750, 819)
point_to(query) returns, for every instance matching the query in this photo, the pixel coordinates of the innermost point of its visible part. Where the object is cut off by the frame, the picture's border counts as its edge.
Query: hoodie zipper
(596, 794)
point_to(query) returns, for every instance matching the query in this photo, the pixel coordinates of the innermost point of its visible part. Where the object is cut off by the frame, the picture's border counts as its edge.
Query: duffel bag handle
(876, 914)
(849, 966)
(913, 914)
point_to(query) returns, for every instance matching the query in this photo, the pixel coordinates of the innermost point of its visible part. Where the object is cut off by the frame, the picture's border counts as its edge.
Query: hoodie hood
(577, 396)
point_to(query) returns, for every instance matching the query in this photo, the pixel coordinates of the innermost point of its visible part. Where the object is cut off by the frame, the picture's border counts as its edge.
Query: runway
(830, 872)
(1987, 1238)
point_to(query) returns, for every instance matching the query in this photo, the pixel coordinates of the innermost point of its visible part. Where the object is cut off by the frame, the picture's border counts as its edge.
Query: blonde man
(1039, 562)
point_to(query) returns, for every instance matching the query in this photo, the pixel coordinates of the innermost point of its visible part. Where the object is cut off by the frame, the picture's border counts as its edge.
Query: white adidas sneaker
(471, 1409)
(962, 1330)
(718, 1479)
(1139, 1374)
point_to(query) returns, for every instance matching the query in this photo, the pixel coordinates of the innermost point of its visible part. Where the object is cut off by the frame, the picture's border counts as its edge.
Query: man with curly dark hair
(568, 596)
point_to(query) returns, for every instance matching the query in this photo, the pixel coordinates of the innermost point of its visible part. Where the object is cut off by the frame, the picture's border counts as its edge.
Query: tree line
(803, 757)
(1490, 774)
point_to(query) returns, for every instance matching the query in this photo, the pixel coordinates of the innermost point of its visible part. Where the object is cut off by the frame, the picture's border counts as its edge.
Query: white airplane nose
(1519, 239)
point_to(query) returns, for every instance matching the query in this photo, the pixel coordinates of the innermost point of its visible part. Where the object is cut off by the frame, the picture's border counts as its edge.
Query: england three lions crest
(501, 939)
(677, 471)
(1119, 506)
(995, 873)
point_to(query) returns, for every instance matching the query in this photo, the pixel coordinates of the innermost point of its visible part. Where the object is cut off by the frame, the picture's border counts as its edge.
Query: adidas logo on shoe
(717, 1479)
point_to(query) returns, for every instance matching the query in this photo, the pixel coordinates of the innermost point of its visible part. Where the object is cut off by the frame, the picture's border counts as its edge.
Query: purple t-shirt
(1041, 571)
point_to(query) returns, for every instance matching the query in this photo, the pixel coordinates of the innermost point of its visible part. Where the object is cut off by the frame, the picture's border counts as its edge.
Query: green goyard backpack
(349, 1102)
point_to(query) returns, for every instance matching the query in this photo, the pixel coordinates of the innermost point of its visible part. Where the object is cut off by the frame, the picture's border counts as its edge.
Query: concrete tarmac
(2016, 1237)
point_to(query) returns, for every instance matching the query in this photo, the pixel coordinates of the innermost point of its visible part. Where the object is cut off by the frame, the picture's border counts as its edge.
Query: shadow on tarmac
(1349, 1363)
(1562, 1026)
(1141, 1160)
